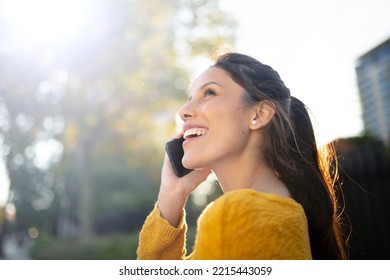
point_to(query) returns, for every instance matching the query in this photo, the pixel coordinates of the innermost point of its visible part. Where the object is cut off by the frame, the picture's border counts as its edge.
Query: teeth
(194, 131)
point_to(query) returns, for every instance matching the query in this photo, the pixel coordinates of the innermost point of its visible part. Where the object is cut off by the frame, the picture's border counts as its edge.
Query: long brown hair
(291, 151)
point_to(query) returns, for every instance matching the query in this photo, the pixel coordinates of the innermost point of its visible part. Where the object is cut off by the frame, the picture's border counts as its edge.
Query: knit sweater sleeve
(239, 227)
(159, 240)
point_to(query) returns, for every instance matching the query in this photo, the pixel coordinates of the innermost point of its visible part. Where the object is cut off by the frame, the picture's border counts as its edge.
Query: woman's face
(216, 122)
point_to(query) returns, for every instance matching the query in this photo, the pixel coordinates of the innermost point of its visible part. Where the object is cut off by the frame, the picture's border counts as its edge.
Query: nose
(186, 111)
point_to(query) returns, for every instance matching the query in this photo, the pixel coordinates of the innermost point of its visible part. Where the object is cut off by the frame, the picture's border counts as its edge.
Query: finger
(177, 135)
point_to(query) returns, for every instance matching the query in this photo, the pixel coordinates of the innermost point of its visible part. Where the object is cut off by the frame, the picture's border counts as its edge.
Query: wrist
(171, 207)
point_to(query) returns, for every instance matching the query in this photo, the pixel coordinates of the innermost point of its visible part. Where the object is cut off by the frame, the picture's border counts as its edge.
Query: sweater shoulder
(243, 203)
(246, 224)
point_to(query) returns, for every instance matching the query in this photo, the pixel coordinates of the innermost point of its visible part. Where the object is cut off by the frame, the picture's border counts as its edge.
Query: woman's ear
(262, 114)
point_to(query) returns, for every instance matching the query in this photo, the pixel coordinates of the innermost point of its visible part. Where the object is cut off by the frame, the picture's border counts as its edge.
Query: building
(373, 76)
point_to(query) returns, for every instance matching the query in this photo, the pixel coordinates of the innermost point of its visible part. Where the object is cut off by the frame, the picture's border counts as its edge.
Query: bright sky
(314, 46)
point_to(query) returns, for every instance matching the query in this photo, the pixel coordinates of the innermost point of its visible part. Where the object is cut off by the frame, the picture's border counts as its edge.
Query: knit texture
(242, 224)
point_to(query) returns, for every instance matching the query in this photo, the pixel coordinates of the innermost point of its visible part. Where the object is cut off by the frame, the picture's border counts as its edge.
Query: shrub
(107, 247)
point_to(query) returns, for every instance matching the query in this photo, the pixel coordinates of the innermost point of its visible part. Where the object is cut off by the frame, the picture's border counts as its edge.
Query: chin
(190, 164)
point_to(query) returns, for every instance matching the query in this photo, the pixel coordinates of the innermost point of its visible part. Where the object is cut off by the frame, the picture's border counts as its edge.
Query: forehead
(216, 75)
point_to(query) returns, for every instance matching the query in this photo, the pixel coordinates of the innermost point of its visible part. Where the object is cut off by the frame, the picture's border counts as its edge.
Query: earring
(254, 122)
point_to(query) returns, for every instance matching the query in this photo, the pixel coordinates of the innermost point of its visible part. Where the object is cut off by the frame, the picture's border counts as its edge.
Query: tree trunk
(85, 177)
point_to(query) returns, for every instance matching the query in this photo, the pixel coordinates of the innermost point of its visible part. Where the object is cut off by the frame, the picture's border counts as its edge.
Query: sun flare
(44, 21)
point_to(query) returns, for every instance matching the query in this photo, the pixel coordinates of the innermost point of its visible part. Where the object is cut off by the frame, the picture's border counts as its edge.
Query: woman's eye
(209, 92)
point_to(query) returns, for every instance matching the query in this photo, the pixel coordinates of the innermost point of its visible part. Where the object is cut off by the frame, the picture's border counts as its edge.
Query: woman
(241, 123)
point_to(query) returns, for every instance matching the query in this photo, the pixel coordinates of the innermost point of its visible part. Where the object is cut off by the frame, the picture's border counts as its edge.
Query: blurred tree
(23, 123)
(83, 128)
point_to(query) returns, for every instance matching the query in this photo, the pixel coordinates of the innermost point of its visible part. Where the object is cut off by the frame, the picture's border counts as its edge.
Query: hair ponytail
(311, 183)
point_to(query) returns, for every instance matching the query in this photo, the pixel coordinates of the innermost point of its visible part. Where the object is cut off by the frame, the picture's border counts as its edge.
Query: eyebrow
(205, 85)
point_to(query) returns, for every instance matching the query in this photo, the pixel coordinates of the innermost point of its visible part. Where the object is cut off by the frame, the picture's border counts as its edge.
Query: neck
(248, 175)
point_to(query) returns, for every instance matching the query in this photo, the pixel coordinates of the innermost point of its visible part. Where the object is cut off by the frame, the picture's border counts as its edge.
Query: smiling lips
(194, 132)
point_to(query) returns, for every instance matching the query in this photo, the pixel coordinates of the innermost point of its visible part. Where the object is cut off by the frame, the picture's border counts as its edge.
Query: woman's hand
(174, 191)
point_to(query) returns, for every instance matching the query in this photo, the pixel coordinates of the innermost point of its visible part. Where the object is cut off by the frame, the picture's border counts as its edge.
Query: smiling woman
(44, 21)
(241, 123)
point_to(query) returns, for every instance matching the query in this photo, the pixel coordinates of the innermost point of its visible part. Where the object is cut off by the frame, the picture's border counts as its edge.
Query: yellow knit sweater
(242, 224)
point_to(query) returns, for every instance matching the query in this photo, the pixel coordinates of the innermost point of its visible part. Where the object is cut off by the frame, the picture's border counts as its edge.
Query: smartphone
(175, 153)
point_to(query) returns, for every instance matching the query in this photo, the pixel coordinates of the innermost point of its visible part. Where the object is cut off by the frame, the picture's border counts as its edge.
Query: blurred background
(89, 91)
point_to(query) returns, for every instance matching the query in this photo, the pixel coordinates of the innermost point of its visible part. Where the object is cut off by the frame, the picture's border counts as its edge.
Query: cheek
(222, 110)
(231, 123)
(230, 134)
(226, 119)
